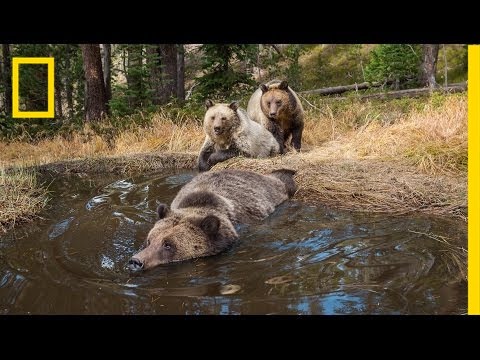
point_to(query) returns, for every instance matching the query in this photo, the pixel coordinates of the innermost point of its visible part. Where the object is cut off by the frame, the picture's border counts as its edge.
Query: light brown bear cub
(230, 132)
(202, 216)
(277, 107)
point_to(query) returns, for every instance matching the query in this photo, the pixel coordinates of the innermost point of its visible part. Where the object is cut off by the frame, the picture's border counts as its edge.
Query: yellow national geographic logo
(17, 61)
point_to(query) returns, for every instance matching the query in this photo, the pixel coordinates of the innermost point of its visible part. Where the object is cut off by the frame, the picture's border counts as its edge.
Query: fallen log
(341, 89)
(454, 88)
(458, 87)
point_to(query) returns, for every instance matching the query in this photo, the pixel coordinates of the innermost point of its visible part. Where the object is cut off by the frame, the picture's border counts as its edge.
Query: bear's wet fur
(202, 217)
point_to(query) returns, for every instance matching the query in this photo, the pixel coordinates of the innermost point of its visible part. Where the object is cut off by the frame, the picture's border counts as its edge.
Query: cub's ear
(264, 88)
(233, 105)
(209, 103)
(210, 225)
(162, 211)
(283, 85)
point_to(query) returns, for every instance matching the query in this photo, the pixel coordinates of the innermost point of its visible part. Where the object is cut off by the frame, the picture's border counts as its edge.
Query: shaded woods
(94, 81)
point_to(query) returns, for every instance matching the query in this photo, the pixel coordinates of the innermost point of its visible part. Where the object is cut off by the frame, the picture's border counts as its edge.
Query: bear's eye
(279, 102)
(147, 242)
(224, 118)
(167, 245)
(268, 103)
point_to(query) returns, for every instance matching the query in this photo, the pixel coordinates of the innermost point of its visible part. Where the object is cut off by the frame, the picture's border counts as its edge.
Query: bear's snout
(135, 264)
(218, 130)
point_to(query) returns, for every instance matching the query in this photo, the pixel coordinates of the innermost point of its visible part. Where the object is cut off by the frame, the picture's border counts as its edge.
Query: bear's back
(253, 196)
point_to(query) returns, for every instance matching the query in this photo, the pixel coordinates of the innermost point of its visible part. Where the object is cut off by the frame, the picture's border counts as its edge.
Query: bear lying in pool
(201, 219)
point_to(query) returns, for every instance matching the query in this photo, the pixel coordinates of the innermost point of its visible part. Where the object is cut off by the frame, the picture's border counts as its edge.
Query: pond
(303, 259)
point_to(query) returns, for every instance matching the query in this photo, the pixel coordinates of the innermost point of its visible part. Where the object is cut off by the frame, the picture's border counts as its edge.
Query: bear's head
(220, 119)
(275, 99)
(177, 237)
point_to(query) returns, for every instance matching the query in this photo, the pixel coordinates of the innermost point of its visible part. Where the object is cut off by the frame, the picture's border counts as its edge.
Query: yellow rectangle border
(473, 180)
(16, 62)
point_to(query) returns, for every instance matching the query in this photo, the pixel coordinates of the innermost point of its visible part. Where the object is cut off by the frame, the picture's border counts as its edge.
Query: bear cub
(277, 107)
(230, 132)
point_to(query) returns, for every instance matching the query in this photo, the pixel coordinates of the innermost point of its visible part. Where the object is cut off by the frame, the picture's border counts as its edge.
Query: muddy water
(301, 260)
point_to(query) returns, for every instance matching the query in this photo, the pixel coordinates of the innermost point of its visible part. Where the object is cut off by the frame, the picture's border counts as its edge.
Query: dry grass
(21, 197)
(360, 158)
(366, 185)
(163, 135)
(453, 256)
(433, 138)
(390, 156)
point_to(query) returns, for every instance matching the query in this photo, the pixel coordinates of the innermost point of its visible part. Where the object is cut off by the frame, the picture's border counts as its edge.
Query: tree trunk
(168, 58)
(96, 98)
(107, 72)
(134, 76)
(428, 67)
(155, 69)
(7, 77)
(58, 98)
(180, 72)
(2, 91)
(69, 83)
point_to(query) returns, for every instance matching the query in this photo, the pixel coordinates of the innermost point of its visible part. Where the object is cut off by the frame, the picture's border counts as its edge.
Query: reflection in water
(301, 260)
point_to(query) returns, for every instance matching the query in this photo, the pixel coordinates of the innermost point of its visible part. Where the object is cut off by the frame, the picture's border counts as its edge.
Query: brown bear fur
(202, 216)
(230, 132)
(277, 107)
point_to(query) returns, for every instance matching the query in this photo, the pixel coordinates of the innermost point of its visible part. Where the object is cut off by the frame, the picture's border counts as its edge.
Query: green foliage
(33, 88)
(394, 63)
(223, 75)
(285, 66)
(333, 65)
(130, 88)
(33, 78)
(457, 63)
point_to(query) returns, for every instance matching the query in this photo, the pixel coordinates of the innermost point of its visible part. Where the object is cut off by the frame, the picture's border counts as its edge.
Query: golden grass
(432, 138)
(384, 156)
(366, 185)
(21, 197)
(163, 135)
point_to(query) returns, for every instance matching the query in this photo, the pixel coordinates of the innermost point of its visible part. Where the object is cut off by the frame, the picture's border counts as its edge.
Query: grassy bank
(21, 197)
(393, 156)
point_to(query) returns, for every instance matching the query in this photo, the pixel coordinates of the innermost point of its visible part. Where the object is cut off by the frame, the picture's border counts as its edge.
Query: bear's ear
(210, 225)
(233, 105)
(162, 211)
(264, 88)
(209, 103)
(283, 85)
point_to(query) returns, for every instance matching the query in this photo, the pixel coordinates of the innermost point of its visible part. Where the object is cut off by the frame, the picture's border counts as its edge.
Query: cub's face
(274, 102)
(175, 238)
(220, 119)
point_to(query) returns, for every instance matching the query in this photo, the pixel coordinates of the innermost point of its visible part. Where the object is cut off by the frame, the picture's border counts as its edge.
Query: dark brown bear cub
(202, 216)
(277, 107)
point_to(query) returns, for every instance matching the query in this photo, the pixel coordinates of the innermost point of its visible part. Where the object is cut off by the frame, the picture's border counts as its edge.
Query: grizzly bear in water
(203, 215)
(277, 107)
(229, 132)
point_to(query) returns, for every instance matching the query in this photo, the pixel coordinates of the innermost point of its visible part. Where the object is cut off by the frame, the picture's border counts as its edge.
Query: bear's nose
(135, 264)
(273, 114)
(217, 129)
